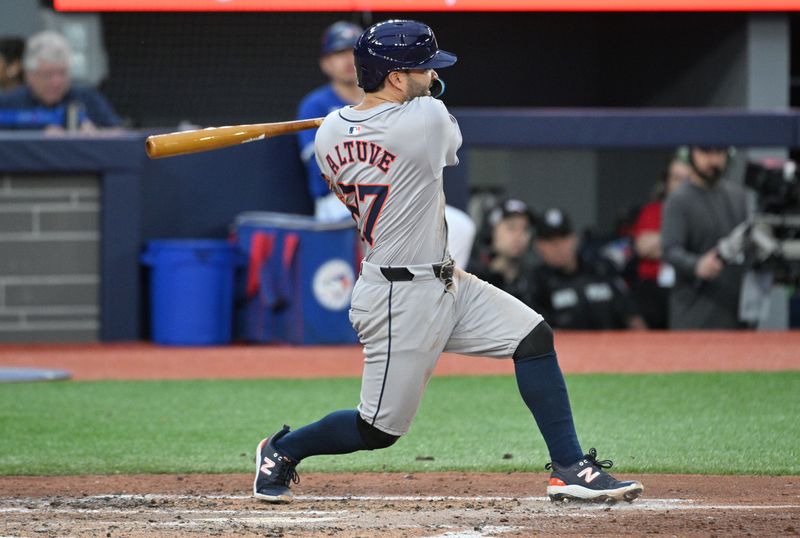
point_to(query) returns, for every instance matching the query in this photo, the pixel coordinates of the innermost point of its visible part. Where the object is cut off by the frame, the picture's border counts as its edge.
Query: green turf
(679, 423)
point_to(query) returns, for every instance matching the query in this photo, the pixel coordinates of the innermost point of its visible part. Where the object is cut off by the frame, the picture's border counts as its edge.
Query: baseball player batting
(384, 160)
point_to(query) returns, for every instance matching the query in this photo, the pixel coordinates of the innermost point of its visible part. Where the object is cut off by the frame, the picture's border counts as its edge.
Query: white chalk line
(270, 520)
(485, 532)
(139, 510)
(639, 504)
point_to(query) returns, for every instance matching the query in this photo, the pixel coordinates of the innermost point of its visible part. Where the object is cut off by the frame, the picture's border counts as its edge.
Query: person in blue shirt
(336, 61)
(48, 99)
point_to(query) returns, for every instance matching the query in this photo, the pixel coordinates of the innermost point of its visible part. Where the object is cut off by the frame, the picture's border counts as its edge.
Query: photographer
(696, 216)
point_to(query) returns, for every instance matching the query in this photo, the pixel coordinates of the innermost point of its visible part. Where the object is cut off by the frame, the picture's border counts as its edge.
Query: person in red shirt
(655, 276)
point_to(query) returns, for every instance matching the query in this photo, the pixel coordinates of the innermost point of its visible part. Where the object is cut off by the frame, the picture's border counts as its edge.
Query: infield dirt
(392, 505)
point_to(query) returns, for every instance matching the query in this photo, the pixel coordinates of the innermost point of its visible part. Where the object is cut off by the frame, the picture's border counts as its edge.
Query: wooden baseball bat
(183, 142)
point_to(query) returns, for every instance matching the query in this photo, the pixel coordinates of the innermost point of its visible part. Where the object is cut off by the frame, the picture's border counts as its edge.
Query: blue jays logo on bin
(333, 284)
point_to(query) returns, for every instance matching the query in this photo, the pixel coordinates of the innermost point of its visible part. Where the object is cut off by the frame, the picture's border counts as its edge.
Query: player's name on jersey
(361, 151)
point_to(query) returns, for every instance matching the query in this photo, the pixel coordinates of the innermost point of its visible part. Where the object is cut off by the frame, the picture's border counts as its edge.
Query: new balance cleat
(274, 471)
(587, 481)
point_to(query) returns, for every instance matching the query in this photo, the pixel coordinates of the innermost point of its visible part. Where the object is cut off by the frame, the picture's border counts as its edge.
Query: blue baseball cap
(339, 36)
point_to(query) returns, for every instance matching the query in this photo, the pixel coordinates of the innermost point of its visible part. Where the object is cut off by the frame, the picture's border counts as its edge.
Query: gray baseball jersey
(386, 165)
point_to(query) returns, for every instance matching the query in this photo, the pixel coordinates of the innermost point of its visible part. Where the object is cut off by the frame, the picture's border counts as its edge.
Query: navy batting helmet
(397, 45)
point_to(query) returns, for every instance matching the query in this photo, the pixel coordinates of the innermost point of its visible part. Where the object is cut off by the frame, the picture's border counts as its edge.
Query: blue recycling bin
(191, 290)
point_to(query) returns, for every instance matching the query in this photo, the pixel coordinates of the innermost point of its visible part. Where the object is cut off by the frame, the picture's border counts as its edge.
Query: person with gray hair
(48, 92)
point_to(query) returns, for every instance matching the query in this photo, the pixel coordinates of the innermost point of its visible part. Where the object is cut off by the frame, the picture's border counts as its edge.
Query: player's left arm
(442, 134)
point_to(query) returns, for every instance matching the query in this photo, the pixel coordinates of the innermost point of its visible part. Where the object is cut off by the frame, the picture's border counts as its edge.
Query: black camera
(770, 239)
(777, 185)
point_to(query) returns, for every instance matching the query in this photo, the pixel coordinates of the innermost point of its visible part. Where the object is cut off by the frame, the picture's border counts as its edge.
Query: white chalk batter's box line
(640, 504)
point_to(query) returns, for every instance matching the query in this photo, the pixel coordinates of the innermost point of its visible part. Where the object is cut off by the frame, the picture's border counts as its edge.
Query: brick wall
(49, 258)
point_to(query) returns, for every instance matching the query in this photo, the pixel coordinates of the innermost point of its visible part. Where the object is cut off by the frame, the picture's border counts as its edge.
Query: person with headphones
(697, 215)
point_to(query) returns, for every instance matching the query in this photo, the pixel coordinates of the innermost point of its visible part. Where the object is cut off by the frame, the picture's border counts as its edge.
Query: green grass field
(735, 423)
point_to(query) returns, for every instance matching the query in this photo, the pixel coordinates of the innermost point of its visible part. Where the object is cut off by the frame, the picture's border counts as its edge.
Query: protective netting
(212, 69)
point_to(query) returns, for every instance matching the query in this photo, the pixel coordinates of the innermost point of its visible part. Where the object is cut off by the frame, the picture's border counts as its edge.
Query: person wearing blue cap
(336, 61)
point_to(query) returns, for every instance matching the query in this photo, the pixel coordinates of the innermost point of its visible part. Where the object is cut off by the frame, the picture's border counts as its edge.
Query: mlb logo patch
(354, 130)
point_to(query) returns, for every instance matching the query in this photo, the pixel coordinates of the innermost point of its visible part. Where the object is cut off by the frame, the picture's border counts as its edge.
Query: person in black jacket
(502, 255)
(576, 293)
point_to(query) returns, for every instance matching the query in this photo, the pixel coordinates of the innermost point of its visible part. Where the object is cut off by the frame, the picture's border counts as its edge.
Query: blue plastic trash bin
(191, 290)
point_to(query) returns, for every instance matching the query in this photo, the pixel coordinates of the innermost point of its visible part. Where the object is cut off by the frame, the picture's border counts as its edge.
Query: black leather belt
(443, 271)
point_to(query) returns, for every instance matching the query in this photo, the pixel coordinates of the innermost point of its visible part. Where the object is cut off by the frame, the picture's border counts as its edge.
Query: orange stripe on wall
(427, 5)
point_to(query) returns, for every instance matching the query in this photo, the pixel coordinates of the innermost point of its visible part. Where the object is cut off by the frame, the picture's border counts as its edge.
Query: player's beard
(416, 89)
